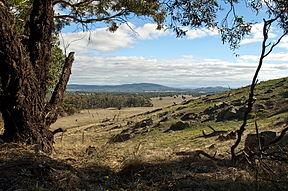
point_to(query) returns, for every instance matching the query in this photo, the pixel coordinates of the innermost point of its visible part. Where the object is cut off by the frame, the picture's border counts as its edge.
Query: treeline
(74, 102)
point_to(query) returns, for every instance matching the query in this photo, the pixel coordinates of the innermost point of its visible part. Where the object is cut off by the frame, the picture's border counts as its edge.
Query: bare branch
(83, 3)
(65, 47)
(58, 94)
(75, 18)
(211, 128)
(214, 133)
(276, 43)
(258, 137)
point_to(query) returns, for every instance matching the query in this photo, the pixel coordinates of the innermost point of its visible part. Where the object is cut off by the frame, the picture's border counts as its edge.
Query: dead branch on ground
(214, 133)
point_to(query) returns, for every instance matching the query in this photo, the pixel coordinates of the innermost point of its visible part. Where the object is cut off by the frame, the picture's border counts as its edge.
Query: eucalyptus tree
(26, 35)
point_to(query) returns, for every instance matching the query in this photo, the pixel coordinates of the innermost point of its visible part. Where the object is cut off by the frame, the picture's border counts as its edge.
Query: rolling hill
(141, 87)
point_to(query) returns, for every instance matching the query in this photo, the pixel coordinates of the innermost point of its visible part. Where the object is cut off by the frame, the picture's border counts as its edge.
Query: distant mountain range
(141, 87)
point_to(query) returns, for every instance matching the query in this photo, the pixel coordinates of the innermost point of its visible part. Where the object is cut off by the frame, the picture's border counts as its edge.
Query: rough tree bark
(24, 77)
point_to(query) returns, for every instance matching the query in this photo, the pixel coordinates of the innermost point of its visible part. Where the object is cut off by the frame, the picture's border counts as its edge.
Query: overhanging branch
(80, 4)
(79, 20)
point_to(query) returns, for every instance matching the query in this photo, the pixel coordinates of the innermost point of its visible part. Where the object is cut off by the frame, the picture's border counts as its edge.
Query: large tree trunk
(24, 75)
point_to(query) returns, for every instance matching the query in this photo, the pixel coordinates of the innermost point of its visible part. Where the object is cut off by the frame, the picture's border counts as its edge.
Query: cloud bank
(127, 34)
(186, 71)
(183, 71)
(104, 41)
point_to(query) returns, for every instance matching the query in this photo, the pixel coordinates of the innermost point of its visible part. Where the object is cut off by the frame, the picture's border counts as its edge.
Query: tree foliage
(224, 16)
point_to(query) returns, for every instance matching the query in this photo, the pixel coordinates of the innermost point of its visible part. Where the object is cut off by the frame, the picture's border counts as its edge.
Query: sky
(147, 55)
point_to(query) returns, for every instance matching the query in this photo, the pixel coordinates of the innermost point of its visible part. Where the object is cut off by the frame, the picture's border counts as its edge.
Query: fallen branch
(200, 152)
(59, 130)
(214, 133)
(197, 153)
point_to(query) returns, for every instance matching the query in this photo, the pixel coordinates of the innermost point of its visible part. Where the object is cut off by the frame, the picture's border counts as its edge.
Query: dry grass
(154, 160)
(152, 147)
(168, 156)
(96, 116)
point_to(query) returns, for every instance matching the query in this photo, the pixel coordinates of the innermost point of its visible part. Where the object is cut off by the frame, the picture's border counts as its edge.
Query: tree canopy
(178, 15)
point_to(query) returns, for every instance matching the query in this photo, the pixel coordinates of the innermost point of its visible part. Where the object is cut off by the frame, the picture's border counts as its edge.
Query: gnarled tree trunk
(24, 72)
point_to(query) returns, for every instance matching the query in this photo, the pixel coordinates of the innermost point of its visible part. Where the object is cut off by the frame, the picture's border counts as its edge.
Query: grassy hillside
(270, 112)
(160, 149)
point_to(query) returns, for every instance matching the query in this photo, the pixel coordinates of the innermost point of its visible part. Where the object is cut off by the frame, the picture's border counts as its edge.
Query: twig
(258, 137)
(200, 152)
(214, 133)
(211, 128)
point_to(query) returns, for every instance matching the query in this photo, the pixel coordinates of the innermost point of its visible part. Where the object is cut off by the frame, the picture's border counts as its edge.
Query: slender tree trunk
(264, 53)
(24, 77)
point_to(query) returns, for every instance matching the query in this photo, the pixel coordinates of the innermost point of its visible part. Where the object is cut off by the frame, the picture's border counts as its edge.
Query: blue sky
(197, 60)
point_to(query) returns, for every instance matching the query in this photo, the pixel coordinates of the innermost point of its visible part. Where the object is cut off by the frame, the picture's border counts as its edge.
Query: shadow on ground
(23, 168)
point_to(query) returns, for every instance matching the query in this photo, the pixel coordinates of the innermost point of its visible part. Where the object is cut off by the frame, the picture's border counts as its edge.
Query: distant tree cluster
(75, 102)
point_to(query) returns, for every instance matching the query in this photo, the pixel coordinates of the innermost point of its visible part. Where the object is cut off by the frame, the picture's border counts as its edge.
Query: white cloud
(256, 34)
(284, 43)
(100, 39)
(186, 71)
(281, 56)
(200, 33)
(148, 31)
(104, 41)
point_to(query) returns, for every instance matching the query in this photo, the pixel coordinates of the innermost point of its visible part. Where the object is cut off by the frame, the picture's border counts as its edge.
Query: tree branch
(276, 43)
(214, 133)
(242, 128)
(83, 3)
(75, 18)
(58, 94)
